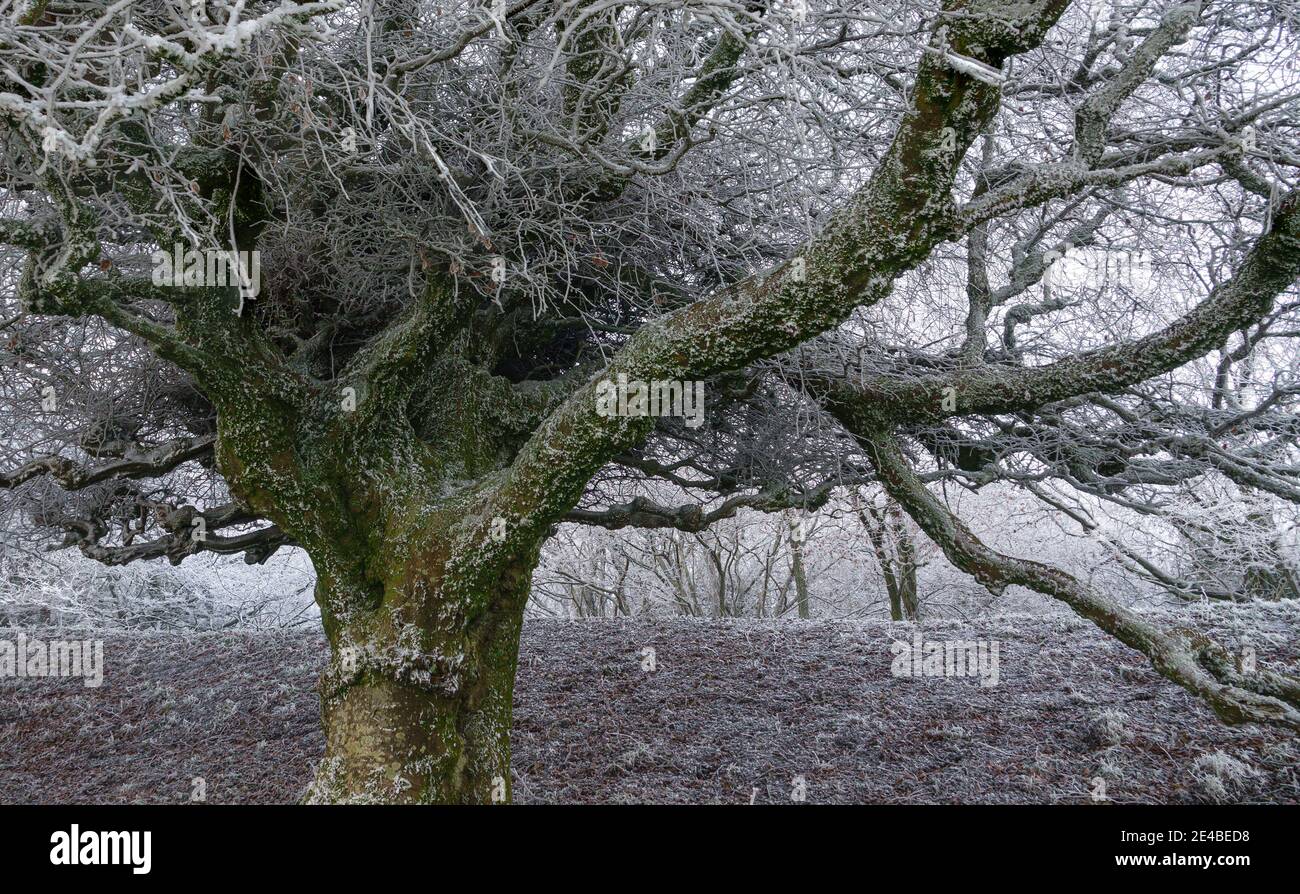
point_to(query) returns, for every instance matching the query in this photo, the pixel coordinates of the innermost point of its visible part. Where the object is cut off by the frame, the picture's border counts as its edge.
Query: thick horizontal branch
(1057, 180)
(644, 513)
(189, 531)
(256, 547)
(137, 462)
(1271, 266)
(725, 479)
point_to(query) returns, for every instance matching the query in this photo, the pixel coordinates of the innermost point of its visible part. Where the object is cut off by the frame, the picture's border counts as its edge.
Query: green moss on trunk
(420, 714)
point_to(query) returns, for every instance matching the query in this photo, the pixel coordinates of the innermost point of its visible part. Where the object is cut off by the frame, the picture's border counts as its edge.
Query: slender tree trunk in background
(768, 561)
(905, 550)
(872, 523)
(911, 601)
(621, 605)
(800, 578)
(783, 599)
(896, 553)
(715, 559)
(895, 597)
(1266, 574)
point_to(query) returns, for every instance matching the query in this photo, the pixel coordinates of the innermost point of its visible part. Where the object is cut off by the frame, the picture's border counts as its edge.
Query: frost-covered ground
(732, 713)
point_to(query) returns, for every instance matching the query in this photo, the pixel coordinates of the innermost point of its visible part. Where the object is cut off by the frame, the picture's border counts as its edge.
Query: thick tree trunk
(389, 740)
(417, 699)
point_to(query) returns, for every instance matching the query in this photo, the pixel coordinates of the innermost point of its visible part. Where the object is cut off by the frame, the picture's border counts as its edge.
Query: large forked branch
(1093, 117)
(1193, 661)
(1088, 165)
(1271, 266)
(889, 226)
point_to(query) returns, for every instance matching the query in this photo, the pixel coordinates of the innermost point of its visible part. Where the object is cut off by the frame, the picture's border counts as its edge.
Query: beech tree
(456, 224)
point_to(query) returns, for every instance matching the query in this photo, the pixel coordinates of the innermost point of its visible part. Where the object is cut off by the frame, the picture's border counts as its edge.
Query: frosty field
(733, 713)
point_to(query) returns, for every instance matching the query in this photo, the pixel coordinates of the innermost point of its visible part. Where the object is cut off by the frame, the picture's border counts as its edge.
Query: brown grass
(733, 713)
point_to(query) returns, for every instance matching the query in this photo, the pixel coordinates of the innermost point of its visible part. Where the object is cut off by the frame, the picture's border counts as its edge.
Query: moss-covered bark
(407, 722)
(423, 500)
(421, 596)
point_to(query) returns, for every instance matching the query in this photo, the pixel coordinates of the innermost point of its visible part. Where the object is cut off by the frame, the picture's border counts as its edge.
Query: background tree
(895, 551)
(469, 216)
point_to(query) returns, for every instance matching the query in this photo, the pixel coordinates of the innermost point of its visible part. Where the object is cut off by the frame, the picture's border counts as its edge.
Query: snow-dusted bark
(470, 220)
